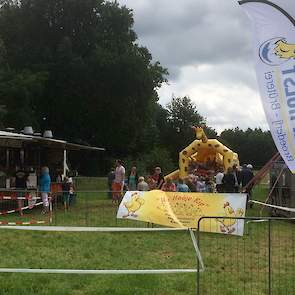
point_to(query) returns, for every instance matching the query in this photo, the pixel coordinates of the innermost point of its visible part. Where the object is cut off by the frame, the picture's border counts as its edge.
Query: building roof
(11, 139)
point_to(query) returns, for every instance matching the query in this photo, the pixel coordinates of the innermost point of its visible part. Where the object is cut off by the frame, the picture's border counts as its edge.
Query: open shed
(33, 152)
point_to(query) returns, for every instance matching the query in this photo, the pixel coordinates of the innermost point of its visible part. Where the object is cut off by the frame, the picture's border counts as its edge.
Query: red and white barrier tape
(23, 222)
(15, 197)
(19, 198)
(21, 209)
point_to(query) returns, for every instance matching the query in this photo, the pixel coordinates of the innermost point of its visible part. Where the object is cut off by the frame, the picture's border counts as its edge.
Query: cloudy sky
(206, 46)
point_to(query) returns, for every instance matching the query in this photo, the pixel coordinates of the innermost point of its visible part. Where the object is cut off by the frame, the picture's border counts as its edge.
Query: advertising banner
(183, 210)
(274, 50)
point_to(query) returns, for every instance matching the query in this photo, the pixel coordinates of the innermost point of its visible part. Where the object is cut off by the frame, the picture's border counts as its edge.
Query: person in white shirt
(118, 182)
(218, 179)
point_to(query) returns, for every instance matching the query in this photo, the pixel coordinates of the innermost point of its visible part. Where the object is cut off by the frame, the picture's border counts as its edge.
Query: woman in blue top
(132, 179)
(44, 187)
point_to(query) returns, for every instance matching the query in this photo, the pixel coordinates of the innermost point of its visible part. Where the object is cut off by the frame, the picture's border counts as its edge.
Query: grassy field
(234, 265)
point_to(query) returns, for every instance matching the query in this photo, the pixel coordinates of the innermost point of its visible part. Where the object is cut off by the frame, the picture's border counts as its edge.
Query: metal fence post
(86, 209)
(269, 257)
(55, 211)
(198, 262)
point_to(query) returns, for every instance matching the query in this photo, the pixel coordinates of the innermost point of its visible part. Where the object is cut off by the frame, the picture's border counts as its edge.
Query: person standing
(118, 183)
(2, 177)
(209, 185)
(246, 176)
(72, 199)
(21, 186)
(218, 180)
(132, 179)
(111, 177)
(65, 193)
(229, 181)
(201, 185)
(44, 187)
(189, 182)
(158, 177)
(236, 174)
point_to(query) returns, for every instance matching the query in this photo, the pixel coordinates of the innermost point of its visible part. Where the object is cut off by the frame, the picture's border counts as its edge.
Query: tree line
(76, 67)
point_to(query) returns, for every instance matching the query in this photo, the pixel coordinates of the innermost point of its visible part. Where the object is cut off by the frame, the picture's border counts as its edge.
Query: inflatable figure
(208, 152)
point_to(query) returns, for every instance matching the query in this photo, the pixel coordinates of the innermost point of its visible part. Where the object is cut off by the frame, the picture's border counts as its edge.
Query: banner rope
(104, 271)
(273, 206)
(94, 229)
(99, 271)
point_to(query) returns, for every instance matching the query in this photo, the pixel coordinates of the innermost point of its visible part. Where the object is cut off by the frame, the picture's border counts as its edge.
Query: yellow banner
(175, 209)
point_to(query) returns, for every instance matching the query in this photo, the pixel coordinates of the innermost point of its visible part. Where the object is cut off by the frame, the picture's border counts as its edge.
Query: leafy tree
(77, 64)
(181, 115)
(146, 162)
(19, 92)
(253, 145)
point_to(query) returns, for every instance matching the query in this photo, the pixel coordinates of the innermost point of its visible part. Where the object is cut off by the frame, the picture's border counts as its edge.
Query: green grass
(234, 265)
(94, 251)
(91, 183)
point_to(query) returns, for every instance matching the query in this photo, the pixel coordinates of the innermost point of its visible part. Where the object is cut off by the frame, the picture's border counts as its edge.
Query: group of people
(232, 181)
(27, 179)
(119, 181)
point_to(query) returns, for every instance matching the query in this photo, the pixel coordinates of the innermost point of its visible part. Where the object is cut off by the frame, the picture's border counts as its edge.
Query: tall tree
(253, 145)
(181, 115)
(77, 64)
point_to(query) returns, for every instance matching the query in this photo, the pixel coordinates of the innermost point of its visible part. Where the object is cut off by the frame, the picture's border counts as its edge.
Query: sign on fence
(177, 209)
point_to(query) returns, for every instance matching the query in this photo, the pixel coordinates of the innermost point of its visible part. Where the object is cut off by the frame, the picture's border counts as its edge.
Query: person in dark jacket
(236, 173)
(21, 186)
(111, 177)
(246, 176)
(190, 184)
(229, 181)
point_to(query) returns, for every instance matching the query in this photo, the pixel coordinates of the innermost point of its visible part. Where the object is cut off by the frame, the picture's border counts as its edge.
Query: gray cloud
(181, 32)
(226, 101)
(206, 46)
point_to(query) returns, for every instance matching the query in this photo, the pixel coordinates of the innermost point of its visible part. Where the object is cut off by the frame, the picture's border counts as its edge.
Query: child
(71, 191)
(201, 185)
(169, 186)
(66, 193)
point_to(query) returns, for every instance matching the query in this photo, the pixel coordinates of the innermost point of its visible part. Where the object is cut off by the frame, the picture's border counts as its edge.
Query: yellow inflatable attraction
(208, 153)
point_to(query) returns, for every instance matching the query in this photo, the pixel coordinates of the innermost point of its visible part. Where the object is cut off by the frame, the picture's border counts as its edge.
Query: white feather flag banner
(274, 48)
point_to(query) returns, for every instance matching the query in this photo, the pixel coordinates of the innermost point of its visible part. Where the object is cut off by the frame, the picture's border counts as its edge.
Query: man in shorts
(118, 183)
